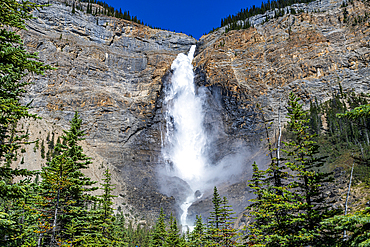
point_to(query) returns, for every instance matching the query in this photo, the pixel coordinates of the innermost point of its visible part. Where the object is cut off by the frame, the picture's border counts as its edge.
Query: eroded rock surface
(113, 72)
(308, 53)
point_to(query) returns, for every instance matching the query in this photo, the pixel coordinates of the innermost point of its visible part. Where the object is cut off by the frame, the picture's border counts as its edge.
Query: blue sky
(193, 17)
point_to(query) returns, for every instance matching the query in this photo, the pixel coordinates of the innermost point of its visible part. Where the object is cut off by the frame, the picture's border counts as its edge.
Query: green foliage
(128, 234)
(273, 209)
(346, 131)
(218, 231)
(159, 235)
(363, 111)
(109, 11)
(107, 197)
(16, 63)
(198, 237)
(235, 22)
(356, 227)
(290, 206)
(64, 190)
(57, 210)
(42, 149)
(306, 162)
(173, 238)
(23, 212)
(101, 220)
(219, 227)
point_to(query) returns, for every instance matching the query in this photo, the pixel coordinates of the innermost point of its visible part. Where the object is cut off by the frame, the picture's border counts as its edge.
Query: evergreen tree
(356, 227)
(42, 149)
(119, 229)
(228, 233)
(159, 235)
(107, 201)
(65, 189)
(288, 210)
(309, 185)
(173, 238)
(220, 231)
(101, 219)
(215, 220)
(198, 237)
(272, 210)
(16, 63)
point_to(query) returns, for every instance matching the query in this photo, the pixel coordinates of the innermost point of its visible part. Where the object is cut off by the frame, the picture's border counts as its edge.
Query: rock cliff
(308, 53)
(113, 72)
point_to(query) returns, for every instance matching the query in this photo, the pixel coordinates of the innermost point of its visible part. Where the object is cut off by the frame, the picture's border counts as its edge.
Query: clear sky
(193, 17)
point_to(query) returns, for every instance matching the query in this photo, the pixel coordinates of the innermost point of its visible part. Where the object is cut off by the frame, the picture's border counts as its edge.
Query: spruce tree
(173, 238)
(272, 209)
(101, 218)
(228, 233)
(219, 228)
(16, 63)
(214, 220)
(120, 230)
(159, 235)
(198, 237)
(355, 225)
(288, 210)
(66, 189)
(305, 162)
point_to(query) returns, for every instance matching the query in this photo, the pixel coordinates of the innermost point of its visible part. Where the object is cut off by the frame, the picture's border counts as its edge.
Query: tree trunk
(346, 205)
(55, 215)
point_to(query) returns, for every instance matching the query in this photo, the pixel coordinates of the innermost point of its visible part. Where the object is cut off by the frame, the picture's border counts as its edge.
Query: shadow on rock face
(176, 187)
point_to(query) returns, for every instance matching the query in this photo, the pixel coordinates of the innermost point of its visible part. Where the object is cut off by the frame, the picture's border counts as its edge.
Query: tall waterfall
(185, 138)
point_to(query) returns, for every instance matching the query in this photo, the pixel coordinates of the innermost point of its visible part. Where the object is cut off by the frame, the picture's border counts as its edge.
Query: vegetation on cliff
(239, 20)
(289, 210)
(96, 8)
(56, 210)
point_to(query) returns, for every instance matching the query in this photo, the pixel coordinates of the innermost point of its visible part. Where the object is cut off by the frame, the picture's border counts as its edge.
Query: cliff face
(113, 72)
(308, 53)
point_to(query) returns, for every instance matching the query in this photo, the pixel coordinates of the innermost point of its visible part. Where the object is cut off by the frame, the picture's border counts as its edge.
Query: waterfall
(185, 139)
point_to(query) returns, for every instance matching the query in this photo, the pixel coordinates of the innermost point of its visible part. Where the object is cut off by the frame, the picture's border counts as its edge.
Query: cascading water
(185, 139)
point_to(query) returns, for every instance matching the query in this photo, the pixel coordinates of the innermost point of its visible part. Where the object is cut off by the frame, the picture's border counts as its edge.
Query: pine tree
(65, 189)
(173, 238)
(159, 235)
(16, 63)
(288, 210)
(228, 233)
(198, 237)
(101, 219)
(309, 185)
(214, 220)
(272, 209)
(220, 231)
(42, 149)
(356, 226)
(119, 229)
(107, 201)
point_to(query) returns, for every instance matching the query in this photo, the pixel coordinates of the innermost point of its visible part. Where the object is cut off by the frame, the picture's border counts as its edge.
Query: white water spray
(185, 138)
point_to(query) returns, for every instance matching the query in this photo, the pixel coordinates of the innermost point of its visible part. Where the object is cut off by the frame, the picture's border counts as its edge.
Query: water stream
(185, 138)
